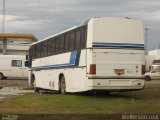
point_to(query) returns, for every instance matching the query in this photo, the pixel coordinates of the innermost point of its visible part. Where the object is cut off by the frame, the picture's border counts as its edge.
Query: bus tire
(1, 76)
(62, 85)
(33, 80)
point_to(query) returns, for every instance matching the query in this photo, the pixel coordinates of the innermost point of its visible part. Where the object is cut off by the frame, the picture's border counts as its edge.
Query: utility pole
(3, 17)
(3, 28)
(146, 38)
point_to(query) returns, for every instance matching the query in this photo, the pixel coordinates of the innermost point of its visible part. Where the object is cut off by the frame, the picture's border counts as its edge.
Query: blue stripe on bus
(103, 44)
(71, 62)
(73, 57)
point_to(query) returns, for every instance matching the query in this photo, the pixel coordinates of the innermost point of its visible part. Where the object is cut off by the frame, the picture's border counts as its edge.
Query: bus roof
(85, 23)
(56, 34)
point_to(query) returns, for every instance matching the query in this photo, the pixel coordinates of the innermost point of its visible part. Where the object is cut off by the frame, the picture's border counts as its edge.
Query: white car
(153, 75)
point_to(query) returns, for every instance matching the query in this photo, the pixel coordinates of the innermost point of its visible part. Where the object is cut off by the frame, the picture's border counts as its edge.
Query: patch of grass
(145, 101)
(62, 104)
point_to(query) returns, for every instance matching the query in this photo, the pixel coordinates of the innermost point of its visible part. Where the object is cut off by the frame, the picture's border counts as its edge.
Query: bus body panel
(47, 70)
(115, 30)
(74, 77)
(115, 84)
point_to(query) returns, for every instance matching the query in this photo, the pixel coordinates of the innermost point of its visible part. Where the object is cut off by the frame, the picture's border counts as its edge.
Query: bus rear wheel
(62, 85)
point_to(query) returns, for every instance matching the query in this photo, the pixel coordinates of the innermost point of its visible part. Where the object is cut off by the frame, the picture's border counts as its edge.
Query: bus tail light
(143, 69)
(92, 69)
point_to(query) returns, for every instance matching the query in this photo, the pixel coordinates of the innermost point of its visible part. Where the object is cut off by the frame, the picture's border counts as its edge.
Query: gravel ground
(13, 83)
(10, 88)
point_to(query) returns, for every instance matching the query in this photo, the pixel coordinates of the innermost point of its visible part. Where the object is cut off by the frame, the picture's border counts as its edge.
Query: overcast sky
(44, 18)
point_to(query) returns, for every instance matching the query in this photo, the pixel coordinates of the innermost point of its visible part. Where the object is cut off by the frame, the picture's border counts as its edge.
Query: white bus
(103, 54)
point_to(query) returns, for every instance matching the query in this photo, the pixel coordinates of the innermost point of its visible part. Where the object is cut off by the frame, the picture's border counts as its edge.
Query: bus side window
(48, 47)
(40, 49)
(83, 37)
(45, 48)
(57, 45)
(66, 46)
(34, 51)
(71, 40)
(61, 45)
(78, 39)
(53, 45)
(31, 53)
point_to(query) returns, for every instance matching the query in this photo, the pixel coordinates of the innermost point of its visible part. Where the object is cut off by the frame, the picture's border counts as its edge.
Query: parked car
(154, 74)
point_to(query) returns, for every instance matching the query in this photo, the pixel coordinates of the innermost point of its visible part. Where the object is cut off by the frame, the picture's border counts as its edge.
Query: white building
(15, 44)
(156, 53)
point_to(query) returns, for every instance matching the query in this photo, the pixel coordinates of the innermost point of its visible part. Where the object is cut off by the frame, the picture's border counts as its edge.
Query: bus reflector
(92, 69)
(143, 69)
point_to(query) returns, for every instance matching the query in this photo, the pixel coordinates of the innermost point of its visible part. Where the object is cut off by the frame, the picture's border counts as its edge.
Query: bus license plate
(119, 71)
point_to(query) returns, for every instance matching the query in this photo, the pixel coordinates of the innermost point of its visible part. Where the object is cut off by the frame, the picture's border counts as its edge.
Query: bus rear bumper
(116, 85)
